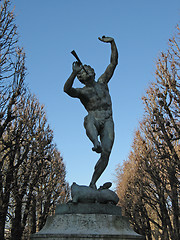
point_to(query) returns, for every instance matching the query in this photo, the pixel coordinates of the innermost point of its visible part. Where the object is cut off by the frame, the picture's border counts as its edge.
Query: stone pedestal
(87, 221)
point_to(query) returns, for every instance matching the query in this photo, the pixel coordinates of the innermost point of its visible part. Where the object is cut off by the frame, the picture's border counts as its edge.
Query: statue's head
(83, 77)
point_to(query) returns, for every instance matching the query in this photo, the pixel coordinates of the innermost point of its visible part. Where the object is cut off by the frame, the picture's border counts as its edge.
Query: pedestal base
(86, 226)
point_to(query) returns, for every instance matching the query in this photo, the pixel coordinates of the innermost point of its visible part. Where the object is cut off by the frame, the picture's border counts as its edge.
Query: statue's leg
(107, 140)
(90, 125)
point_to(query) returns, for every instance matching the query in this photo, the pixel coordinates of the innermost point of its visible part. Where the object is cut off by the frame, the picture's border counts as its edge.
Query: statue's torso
(96, 100)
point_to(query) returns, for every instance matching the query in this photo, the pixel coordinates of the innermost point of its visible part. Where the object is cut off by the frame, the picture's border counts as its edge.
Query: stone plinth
(88, 208)
(95, 223)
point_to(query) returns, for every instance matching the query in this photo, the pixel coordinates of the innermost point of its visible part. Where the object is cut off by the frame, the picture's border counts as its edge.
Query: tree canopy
(32, 171)
(148, 182)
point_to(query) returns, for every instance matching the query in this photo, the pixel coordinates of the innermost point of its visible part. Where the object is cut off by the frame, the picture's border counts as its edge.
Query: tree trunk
(175, 204)
(33, 216)
(16, 231)
(2, 224)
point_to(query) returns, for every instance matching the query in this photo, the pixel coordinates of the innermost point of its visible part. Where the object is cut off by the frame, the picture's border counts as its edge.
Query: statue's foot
(93, 185)
(97, 148)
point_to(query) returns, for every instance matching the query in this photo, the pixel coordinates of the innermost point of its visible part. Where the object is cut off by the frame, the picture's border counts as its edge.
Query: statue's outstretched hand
(106, 39)
(76, 66)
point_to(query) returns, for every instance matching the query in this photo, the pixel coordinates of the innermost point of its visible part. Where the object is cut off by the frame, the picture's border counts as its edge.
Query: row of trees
(32, 172)
(148, 182)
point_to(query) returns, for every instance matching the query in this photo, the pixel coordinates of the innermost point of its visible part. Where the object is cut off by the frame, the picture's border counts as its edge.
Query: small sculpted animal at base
(85, 194)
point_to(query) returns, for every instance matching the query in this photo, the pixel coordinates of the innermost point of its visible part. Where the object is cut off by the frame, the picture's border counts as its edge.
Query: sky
(50, 29)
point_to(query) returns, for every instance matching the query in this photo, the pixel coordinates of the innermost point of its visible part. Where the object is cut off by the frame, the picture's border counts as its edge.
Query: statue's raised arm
(106, 76)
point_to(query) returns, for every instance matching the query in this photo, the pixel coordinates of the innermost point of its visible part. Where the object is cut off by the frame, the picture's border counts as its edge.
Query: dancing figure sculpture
(96, 99)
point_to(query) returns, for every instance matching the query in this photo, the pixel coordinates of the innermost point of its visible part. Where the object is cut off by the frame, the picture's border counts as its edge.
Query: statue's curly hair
(89, 69)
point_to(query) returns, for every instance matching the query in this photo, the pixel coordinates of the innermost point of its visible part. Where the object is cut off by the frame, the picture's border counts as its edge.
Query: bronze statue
(97, 101)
